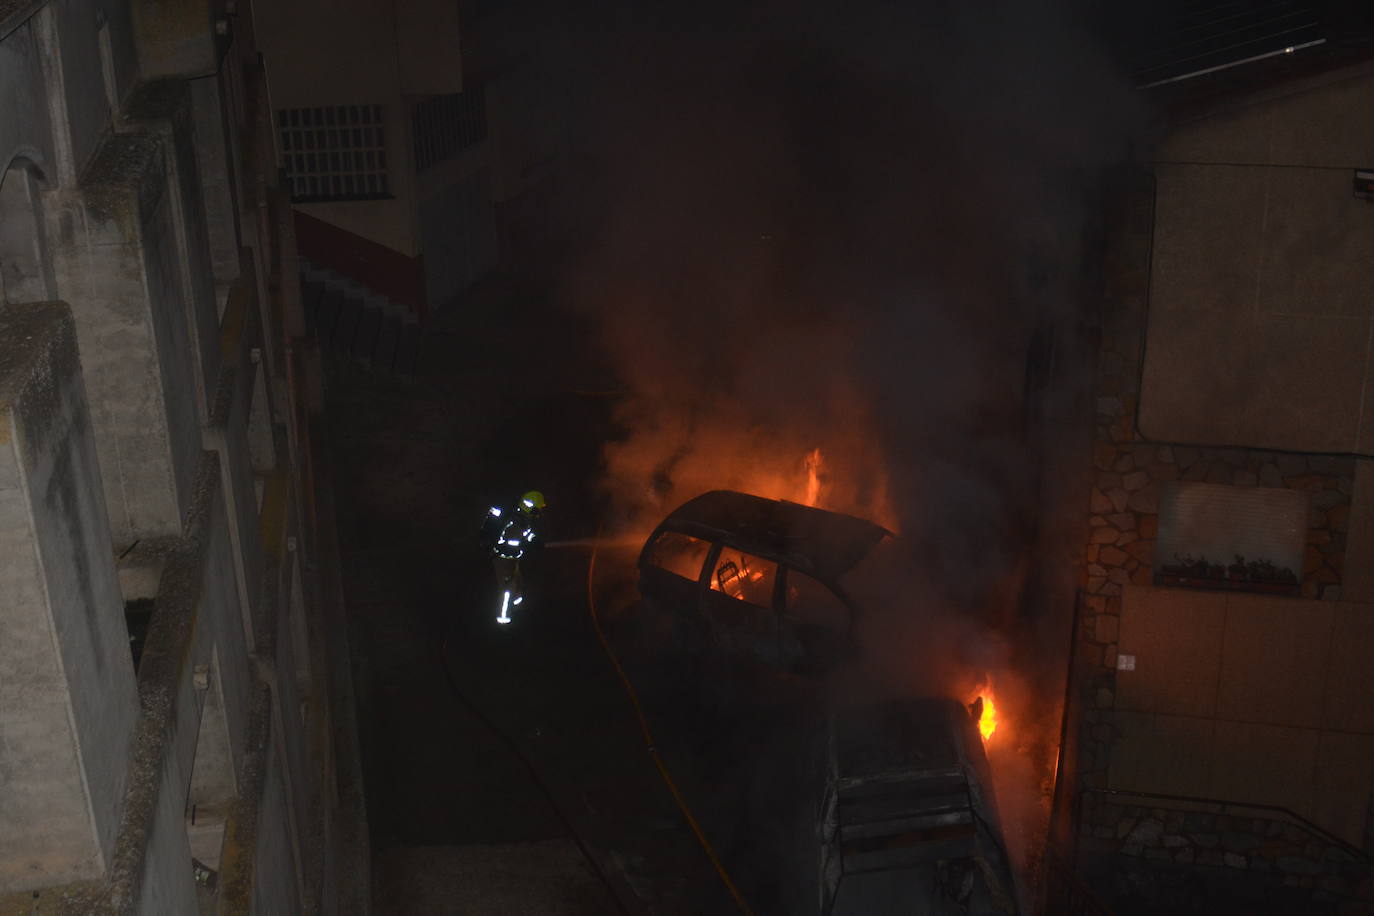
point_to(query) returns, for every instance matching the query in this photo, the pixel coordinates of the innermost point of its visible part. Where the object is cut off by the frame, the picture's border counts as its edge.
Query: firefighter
(509, 534)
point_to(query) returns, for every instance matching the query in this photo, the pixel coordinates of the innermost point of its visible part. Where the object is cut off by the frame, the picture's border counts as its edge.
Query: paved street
(459, 824)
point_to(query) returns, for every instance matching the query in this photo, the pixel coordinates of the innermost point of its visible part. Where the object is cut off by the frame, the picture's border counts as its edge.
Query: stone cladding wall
(1187, 859)
(1129, 471)
(1123, 517)
(1124, 503)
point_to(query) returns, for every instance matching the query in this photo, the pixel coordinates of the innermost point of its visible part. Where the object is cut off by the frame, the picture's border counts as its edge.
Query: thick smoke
(838, 229)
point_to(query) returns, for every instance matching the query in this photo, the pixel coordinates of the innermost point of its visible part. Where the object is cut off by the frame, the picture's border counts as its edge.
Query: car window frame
(658, 535)
(709, 568)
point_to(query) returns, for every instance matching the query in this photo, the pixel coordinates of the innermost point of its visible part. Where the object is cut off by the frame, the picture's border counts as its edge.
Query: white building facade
(175, 727)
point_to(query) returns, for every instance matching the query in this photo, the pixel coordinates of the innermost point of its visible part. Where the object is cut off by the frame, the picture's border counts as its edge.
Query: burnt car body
(907, 822)
(758, 577)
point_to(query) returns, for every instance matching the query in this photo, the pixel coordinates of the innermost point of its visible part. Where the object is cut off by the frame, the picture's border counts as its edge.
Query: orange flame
(985, 708)
(812, 462)
(987, 723)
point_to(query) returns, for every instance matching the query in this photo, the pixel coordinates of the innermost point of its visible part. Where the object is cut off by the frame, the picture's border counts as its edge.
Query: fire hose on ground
(647, 734)
(652, 747)
(544, 790)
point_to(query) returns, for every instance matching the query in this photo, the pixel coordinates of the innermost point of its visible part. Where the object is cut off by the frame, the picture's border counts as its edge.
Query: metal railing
(1234, 807)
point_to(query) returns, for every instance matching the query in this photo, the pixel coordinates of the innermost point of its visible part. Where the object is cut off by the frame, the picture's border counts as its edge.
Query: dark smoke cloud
(836, 227)
(803, 226)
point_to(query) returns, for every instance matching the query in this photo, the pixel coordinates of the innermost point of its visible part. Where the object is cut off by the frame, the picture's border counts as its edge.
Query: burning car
(907, 822)
(759, 577)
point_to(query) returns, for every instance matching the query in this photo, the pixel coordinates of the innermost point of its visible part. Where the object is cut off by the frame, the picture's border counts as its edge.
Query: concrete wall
(66, 675)
(113, 210)
(220, 634)
(213, 782)
(85, 104)
(177, 37)
(392, 223)
(167, 884)
(459, 230)
(1260, 306)
(1234, 330)
(196, 596)
(173, 338)
(1250, 699)
(427, 42)
(217, 177)
(227, 434)
(213, 642)
(1359, 577)
(274, 887)
(25, 268)
(312, 47)
(25, 129)
(287, 697)
(118, 262)
(165, 108)
(527, 127)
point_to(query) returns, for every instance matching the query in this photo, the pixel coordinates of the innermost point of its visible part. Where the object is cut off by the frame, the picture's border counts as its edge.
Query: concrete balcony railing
(224, 724)
(68, 697)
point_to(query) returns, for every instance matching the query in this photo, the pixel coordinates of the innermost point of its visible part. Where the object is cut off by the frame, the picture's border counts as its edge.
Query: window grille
(334, 153)
(445, 125)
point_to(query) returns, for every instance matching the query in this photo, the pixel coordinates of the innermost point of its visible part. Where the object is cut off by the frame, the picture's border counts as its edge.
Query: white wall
(68, 703)
(312, 48)
(459, 228)
(24, 123)
(1248, 698)
(1261, 308)
(274, 885)
(117, 263)
(83, 94)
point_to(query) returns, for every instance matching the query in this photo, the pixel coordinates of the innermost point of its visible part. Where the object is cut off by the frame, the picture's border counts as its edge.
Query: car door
(815, 625)
(739, 601)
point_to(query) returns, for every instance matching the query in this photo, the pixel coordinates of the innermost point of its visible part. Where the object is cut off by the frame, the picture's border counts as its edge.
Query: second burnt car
(908, 820)
(763, 578)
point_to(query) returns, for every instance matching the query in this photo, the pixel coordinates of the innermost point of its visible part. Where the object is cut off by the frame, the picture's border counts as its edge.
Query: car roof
(817, 541)
(922, 734)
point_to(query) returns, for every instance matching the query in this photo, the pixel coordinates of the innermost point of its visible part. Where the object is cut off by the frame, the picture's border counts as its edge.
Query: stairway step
(353, 319)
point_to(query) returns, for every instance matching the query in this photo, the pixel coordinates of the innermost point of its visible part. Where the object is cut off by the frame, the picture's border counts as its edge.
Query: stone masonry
(1123, 521)
(1185, 859)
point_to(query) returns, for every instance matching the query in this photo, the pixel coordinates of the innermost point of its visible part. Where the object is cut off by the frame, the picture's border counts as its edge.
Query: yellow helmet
(532, 501)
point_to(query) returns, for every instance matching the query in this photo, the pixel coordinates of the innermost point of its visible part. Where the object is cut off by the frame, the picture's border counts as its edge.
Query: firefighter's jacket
(508, 533)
